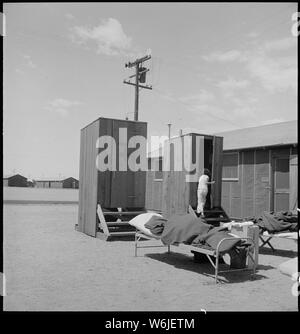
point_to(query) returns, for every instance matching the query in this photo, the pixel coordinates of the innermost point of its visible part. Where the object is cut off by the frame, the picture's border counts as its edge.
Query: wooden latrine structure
(114, 191)
(172, 187)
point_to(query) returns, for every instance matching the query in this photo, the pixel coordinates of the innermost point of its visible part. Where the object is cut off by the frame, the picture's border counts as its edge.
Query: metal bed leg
(217, 267)
(135, 244)
(217, 255)
(253, 259)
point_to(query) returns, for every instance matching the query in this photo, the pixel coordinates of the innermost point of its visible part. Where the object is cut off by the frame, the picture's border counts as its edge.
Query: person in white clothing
(203, 190)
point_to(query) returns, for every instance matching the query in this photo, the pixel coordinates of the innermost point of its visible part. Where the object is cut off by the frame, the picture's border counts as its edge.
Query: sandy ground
(50, 266)
(19, 194)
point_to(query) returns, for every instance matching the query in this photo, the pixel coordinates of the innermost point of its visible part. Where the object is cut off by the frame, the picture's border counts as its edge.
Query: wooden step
(213, 211)
(115, 234)
(209, 215)
(113, 227)
(123, 213)
(117, 224)
(219, 211)
(216, 219)
(112, 236)
(120, 229)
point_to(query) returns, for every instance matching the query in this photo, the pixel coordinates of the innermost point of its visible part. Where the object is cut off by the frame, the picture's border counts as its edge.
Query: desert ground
(49, 266)
(40, 195)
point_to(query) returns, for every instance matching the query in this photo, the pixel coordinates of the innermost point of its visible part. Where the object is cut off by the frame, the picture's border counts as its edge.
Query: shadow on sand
(182, 261)
(278, 252)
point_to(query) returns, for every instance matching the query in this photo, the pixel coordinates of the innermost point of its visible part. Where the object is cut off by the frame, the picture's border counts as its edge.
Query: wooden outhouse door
(128, 187)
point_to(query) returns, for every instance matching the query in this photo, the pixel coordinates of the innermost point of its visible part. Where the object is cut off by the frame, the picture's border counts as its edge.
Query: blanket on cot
(190, 230)
(275, 222)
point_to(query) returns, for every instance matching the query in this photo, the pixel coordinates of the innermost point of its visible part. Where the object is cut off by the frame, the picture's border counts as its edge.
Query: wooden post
(253, 232)
(136, 101)
(216, 189)
(169, 125)
(138, 71)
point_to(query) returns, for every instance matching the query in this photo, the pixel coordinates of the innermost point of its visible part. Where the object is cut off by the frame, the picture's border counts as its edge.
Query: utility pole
(136, 100)
(169, 125)
(140, 77)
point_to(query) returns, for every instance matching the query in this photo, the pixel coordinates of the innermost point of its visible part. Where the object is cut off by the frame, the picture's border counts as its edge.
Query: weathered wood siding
(111, 189)
(153, 192)
(173, 195)
(254, 191)
(88, 182)
(293, 182)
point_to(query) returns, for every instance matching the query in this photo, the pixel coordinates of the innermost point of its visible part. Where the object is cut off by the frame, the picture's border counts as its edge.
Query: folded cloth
(277, 221)
(183, 229)
(214, 236)
(156, 225)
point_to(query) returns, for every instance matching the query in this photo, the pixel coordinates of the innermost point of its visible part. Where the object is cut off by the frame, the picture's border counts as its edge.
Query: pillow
(289, 267)
(139, 222)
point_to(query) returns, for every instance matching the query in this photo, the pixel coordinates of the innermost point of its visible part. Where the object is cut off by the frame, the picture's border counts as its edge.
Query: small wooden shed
(70, 182)
(112, 190)
(16, 180)
(182, 162)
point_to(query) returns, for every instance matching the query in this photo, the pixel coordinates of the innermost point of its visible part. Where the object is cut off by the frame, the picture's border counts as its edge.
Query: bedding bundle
(185, 229)
(274, 222)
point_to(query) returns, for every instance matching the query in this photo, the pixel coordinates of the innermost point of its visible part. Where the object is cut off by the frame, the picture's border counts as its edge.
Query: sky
(214, 67)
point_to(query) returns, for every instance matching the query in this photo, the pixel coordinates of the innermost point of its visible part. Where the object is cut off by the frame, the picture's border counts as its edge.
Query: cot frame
(266, 239)
(210, 253)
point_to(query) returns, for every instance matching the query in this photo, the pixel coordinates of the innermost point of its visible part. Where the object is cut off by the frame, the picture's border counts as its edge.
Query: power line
(163, 94)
